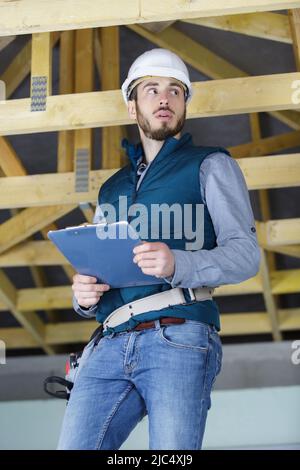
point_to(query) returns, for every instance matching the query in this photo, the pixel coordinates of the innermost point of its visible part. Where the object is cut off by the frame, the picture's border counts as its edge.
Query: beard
(163, 132)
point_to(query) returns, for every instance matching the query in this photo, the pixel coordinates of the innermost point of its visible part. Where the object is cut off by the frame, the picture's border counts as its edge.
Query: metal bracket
(38, 93)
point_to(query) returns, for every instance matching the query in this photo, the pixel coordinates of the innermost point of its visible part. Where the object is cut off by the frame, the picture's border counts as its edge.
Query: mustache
(163, 109)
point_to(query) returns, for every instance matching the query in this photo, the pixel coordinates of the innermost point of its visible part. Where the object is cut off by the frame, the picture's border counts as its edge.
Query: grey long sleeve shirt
(237, 255)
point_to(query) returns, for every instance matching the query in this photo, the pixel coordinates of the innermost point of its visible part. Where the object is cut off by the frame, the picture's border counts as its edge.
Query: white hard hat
(157, 62)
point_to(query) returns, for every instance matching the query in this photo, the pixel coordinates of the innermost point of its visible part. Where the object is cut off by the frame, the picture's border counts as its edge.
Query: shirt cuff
(84, 312)
(179, 272)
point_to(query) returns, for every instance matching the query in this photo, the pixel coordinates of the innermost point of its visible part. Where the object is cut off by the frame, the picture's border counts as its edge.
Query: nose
(163, 98)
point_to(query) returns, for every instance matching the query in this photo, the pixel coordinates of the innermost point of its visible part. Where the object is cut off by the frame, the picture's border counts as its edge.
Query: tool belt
(174, 296)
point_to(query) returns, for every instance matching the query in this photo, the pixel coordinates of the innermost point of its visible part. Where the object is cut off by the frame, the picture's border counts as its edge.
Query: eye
(176, 92)
(152, 89)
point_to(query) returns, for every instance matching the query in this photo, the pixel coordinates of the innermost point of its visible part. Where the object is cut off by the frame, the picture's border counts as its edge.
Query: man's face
(160, 109)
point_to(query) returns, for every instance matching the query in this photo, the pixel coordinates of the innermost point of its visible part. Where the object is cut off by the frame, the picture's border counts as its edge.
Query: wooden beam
(41, 70)
(273, 171)
(206, 62)
(279, 232)
(266, 145)
(276, 171)
(288, 250)
(20, 66)
(294, 18)
(2, 91)
(158, 26)
(285, 281)
(35, 190)
(84, 82)
(27, 222)
(265, 25)
(32, 253)
(107, 108)
(31, 16)
(112, 151)
(271, 302)
(268, 263)
(60, 297)
(65, 147)
(44, 253)
(191, 52)
(30, 321)
(243, 323)
(6, 41)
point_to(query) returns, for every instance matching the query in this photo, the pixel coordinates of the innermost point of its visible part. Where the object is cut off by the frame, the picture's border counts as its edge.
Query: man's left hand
(155, 259)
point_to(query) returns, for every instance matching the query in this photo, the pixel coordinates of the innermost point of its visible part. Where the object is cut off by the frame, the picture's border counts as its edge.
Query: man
(160, 350)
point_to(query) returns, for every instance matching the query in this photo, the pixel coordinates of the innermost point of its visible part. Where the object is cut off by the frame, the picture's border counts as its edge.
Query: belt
(174, 296)
(163, 321)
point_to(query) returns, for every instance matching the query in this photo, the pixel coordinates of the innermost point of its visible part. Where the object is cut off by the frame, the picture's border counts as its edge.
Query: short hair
(133, 94)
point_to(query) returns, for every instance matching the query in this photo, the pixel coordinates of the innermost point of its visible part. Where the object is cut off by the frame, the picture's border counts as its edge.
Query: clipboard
(105, 252)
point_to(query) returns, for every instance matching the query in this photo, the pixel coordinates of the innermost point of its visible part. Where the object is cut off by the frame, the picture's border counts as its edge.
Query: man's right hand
(86, 290)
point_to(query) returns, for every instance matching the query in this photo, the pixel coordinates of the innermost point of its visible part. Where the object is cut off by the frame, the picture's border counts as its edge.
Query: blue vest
(172, 178)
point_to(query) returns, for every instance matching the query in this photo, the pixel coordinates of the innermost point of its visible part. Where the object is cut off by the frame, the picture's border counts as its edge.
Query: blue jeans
(166, 372)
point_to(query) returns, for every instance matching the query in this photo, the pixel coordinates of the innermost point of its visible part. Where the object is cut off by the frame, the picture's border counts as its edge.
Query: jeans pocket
(186, 336)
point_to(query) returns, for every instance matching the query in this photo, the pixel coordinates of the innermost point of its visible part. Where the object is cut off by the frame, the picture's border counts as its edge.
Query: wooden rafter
(265, 25)
(107, 108)
(31, 16)
(273, 171)
(112, 151)
(30, 321)
(80, 332)
(205, 61)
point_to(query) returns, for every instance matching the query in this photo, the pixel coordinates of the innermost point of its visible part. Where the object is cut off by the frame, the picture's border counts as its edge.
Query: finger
(148, 246)
(147, 264)
(84, 279)
(90, 287)
(89, 295)
(143, 256)
(151, 271)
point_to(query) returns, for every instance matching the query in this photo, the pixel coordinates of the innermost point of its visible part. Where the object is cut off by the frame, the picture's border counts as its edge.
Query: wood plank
(282, 282)
(84, 82)
(32, 253)
(111, 137)
(30, 321)
(20, 66)
(266, 145)
(202, 59)
(191, 52)
(41, 63)
(263, 172)
(35, 190)
(286, 281)
(27, 222)
(2, 91)
(265, 25)
(294, 19)
(277, 171)
(6, 41)
(282, 232)
(31, 16)
(65, 146)
(59, 297)
(107, 108)
(243, 323)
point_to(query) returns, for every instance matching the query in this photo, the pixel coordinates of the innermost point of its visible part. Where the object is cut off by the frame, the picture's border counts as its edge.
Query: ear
(132, 109)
